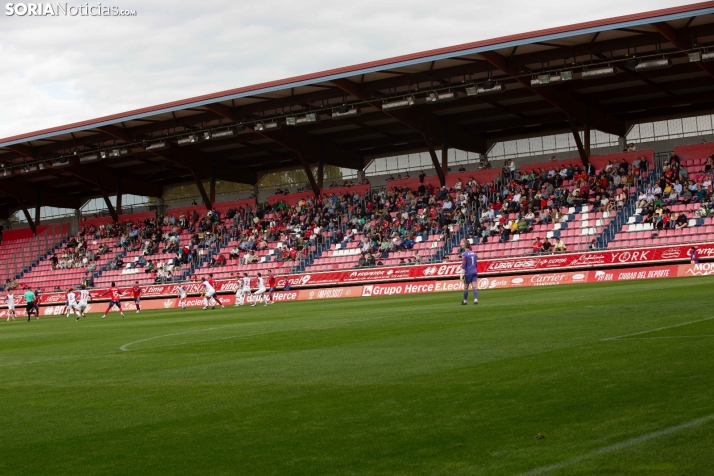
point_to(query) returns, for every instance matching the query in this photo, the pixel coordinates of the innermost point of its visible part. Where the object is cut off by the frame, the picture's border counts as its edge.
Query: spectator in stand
(681, 222)
(537, 246)
(547, 246)
(559, 246)
(235, 252)
(593, 245)
(362, 262)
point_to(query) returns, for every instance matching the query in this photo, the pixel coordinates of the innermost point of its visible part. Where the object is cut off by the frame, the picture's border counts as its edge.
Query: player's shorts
(81, 305)
(11, 306)
(210, 295)
(29, 306)
(470, 278)
(136, 300)
(260, 291)
(271, 290)
(115, 303)
(72, 305)
(182, 296)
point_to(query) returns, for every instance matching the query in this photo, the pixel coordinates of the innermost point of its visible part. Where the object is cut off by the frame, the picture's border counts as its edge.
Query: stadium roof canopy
(605, 75)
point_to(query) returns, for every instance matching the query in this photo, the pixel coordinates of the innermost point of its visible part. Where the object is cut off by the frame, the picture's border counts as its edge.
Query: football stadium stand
(621, 200)
(466, 98)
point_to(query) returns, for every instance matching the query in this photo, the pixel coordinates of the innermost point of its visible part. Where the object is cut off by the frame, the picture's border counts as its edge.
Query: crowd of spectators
(396, 218)
(539, 197)
(676, 186)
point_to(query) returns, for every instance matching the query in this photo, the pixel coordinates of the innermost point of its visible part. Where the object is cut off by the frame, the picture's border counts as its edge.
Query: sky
(59, 70)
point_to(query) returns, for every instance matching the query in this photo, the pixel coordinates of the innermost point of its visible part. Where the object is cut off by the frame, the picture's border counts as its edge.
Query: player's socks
(475, 295)
(466, 294)
(122, 314)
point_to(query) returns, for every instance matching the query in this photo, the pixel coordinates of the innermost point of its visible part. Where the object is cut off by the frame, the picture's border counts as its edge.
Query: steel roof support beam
(423, 124)
(28, 217)
(120, 193)
(108, 203)
(579, 143)
(435, 161)
(672, 35)
(38, 209)
(112, 181)
(300, 143)
(201, 188)
(565, 101)
(310, 176)
(25, 191)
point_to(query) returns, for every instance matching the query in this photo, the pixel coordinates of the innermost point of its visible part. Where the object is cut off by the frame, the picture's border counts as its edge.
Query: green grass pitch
(587, 379)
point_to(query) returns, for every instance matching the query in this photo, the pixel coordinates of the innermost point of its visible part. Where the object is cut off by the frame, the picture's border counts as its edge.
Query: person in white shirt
(84, 298)
(243, 289)
(208, 295)
(71, 303)
(260, 293)
(182, 292)
(10, 305)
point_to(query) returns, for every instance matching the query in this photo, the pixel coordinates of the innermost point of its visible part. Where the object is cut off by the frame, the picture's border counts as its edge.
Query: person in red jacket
(271, 286)
(114, 300)
(136, 292)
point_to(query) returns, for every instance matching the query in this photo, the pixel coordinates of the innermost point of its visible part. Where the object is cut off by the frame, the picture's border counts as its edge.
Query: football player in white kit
(84, 298)
(71, 302)
(243, 289)
(182, 292)
(260, 293)
(10, 304)
(208, 295)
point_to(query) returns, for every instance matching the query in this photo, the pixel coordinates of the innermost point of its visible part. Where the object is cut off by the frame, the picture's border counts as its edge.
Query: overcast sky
(57, 70)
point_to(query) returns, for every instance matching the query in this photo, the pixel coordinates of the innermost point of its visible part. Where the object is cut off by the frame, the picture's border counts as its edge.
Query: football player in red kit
(213, 285)
(271, 286)
(136, 292)
(114, 300)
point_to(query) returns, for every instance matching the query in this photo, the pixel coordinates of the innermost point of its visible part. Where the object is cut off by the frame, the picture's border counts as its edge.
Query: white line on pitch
(622, 445)
(669, 337)
(659, 329)
(125, 347)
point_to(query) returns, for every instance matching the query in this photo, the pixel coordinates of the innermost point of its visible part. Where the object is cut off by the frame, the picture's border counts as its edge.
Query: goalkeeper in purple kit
(468, 264)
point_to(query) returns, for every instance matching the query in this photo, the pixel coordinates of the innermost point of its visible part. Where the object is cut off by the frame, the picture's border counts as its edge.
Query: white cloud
(57, 70)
